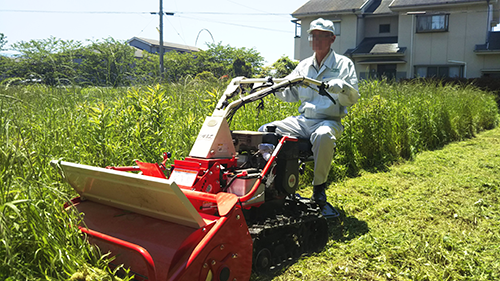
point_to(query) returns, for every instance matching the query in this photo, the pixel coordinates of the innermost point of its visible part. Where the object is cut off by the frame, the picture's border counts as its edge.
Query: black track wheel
(263, 261)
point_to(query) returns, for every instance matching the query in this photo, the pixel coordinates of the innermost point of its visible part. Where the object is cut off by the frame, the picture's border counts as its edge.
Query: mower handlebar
(269, 86)
(302, 79)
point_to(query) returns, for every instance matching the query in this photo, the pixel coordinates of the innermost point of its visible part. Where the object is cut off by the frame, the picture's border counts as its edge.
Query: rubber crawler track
(297, 229)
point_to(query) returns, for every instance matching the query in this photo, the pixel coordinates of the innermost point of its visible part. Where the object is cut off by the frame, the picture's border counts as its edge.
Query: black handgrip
(323, 92)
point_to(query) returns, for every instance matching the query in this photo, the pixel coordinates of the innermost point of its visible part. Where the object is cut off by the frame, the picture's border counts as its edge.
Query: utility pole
(161, 39)
(160, 13)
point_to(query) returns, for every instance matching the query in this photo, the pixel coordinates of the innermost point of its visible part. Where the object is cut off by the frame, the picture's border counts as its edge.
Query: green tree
(217, 59)
(51, 60)
(113, 63)
(5, 62)
(178, 65)
(3, 41)
(107, 62)
(241, 68)
(226, 60)
(146, 68)
(54, 61)
(284, 66)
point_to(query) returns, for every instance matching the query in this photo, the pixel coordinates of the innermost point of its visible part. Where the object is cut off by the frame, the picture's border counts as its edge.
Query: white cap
(323, 25)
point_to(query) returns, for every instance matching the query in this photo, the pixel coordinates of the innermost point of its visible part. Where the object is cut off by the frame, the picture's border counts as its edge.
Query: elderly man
(320, 118)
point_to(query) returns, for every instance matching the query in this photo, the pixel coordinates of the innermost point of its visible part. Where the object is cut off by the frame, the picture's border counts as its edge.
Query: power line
(262, 12)
(236, 14)
(146, 26)
(235, 24)
(115, 12)
(182, 38)
(70, 12)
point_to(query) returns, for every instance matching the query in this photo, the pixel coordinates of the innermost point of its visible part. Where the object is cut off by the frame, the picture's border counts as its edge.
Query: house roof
(169, 45)
(381, 61)
(318, 7)
(377, 46)
(379, 7)
(414, 3)
(321, 7)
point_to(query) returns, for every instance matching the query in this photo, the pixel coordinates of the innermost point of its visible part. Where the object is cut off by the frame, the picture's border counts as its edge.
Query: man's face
(321, 40)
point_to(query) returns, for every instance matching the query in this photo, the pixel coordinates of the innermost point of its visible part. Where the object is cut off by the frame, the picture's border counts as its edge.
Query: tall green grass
(38, 240)
(114, 126)
(395, 121)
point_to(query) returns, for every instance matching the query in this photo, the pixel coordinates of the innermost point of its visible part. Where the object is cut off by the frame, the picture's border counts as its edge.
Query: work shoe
(319, 195)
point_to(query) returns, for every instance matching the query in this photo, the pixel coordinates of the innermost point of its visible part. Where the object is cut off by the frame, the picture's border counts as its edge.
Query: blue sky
(263, 25)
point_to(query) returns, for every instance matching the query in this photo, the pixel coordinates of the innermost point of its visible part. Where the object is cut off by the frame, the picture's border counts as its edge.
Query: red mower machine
(227, 209)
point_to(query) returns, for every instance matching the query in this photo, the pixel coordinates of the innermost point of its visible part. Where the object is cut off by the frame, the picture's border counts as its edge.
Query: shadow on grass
(340, 229)
(345, 228)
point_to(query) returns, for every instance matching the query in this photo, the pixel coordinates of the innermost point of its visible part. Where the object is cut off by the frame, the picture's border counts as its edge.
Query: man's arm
(347, 88)
(290, 94)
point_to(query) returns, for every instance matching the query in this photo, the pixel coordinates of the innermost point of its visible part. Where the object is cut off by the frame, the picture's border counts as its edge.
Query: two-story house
(409, 38)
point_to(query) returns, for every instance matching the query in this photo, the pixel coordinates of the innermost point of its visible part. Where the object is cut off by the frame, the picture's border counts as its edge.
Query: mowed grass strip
(434, 218)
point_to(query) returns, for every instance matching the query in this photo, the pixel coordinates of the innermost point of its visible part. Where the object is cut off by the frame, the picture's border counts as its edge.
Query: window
(384, 28)
(432, 71)
(298, 28)
(492, 74)
(454, 71)
(444, 71)
(336, 25)
(387, 70)
(432, 23)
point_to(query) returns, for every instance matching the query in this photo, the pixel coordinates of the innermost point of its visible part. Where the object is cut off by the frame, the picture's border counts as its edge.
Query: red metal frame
(148, 260)
(146, 257)
(196, 195)
(207, 163)
(203, 164)
(203, 243)
(227, 244)
(255, 187)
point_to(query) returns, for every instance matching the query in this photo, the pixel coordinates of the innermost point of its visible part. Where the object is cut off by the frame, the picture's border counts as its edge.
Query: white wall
(467, 28)
(372, 26)
(346, 40)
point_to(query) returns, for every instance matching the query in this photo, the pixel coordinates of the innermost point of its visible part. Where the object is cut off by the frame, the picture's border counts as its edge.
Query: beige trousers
(322, 134)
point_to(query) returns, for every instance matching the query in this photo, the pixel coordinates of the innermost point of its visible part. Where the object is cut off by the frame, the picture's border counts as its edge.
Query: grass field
(434, 218)
(408, 213)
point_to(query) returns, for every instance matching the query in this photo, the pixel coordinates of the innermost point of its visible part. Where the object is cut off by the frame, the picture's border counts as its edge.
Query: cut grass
(434, 218)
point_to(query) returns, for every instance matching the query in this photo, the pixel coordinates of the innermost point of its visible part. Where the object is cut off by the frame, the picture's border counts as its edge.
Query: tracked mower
(228, 209)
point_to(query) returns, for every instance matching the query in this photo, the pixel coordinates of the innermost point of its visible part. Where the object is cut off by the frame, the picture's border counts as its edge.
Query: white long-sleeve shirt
(337, 70)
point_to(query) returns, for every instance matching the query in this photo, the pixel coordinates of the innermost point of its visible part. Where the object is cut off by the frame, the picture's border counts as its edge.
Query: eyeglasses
(319, 37)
